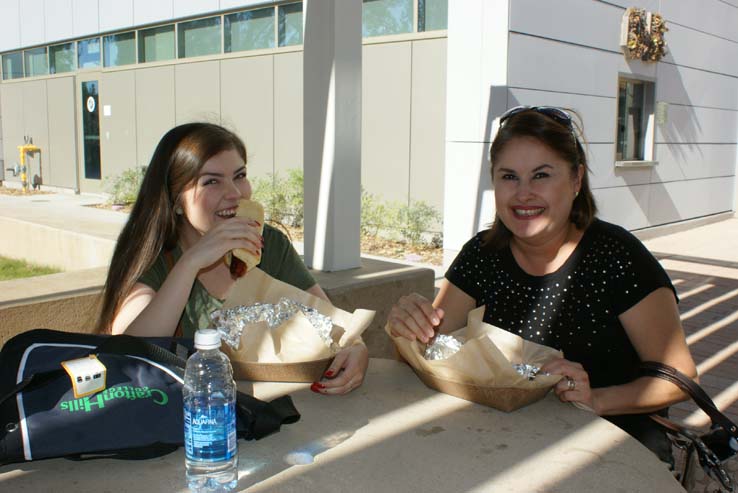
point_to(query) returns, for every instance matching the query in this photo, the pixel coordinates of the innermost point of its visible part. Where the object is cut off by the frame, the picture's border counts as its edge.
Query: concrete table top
(393, 434)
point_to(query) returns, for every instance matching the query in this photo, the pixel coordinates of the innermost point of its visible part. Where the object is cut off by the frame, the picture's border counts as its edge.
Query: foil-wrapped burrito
(444, 346)
(528, 371)
(231, 322)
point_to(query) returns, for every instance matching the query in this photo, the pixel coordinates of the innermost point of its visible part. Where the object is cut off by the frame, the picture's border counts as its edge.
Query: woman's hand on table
(414, 317)
(346, 371)
(574, 387)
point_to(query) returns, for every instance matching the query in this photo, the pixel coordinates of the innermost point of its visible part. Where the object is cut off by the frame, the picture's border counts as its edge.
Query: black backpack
(139, 415)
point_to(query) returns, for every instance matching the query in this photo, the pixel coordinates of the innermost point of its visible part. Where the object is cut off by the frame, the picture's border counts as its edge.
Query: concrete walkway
(65, 211)
(702, 263)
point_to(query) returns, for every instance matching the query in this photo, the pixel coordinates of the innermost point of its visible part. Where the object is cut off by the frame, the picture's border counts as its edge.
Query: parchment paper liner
(303, 362)
(481, 371)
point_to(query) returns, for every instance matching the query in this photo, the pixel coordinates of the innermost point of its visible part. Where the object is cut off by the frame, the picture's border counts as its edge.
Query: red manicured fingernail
(329, 373)
(317, 387)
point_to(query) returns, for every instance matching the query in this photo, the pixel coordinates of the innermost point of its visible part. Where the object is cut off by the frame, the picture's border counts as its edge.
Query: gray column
(476, 93)
(332, 133)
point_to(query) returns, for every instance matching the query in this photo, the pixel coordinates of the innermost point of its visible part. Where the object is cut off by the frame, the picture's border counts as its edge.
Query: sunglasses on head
(557, 114)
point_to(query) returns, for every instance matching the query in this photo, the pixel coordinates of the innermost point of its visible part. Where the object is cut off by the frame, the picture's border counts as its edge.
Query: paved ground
(702, 262)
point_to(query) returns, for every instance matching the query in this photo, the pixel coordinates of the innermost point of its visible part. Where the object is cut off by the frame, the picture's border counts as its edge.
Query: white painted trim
(635, 164)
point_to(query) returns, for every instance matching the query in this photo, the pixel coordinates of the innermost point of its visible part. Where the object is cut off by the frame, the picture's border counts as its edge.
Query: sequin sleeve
(464, 272)
(640, 273)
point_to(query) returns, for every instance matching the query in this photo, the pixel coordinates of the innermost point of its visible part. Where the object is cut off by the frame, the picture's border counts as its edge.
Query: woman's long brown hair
(153, 225)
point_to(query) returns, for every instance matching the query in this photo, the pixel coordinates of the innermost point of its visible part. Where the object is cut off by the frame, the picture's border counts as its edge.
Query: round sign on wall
(90, 104)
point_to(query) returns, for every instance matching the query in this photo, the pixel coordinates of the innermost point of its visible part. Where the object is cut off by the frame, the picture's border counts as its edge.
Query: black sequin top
(574, 309)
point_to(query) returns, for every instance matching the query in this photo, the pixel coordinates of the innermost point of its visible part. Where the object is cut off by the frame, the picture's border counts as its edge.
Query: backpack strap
(31, 382)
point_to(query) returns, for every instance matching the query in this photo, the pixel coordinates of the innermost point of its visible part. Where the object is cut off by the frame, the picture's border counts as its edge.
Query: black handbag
(138, 414)
(713, 448)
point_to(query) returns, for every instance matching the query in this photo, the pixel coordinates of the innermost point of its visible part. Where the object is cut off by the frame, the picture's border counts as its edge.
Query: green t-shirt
(278, 259)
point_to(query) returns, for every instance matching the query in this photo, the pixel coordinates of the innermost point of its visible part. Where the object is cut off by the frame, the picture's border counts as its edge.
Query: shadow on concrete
(709, 310)
(696, 260)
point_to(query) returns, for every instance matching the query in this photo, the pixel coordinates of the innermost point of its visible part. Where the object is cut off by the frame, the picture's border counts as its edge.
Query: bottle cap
(207, 339)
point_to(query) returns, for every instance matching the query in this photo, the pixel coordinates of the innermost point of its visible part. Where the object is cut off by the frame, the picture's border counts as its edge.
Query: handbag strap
(697, 393)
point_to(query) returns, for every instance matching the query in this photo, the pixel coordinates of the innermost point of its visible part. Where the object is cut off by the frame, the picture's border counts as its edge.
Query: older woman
(167, 272)
(551, 272)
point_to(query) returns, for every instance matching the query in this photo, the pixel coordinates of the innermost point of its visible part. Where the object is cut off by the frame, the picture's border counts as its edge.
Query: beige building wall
(44, 110)
(36, 127)
(12, 125)
(428, 117)
(288, 111)
(197, 91)
(2, 155)
(62, 151)
(155, 108)
(247, 95)
(260, 97)
(118, 122)
(385, 119)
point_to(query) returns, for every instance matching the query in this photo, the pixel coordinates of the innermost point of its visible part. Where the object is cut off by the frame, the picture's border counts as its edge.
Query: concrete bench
(69, 300)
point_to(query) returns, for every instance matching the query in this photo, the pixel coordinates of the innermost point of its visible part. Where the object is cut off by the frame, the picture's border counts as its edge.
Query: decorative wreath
(645, 35)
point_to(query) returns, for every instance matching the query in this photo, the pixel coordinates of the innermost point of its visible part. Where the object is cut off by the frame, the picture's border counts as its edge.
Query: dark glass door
(91, 129)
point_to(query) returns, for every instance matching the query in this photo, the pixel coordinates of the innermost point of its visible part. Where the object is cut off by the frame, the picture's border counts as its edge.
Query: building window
(88, 53)
(12, 66)
(35, 62)
(385, 17)
(250, 30)
(156, 44)
(61, 58)
(290, 24)
(432, 15)
(119, 49)
(635, 125)
(198, 38)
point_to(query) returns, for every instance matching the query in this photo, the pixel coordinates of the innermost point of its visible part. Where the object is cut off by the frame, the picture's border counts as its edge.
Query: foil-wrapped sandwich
(231, 322)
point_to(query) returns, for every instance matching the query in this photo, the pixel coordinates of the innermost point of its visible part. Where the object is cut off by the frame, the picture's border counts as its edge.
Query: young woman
(551, 272)
(167, 272)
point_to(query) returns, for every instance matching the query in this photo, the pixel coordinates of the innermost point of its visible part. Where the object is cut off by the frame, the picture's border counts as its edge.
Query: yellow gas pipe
(23, 150)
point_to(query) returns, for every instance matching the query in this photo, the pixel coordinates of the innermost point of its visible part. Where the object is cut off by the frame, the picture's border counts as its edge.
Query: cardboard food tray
(481, 370)
(502, 398)
(297, 361)
(303, 372)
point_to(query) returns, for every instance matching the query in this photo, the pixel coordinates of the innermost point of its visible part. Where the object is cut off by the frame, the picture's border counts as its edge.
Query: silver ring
(571, 384)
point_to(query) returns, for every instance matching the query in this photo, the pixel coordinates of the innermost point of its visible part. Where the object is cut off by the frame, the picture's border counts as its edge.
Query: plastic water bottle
(210, 417)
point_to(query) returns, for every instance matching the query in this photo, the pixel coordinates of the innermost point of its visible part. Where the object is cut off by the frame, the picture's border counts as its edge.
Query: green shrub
(123, 188)
(413, 220)
(374, 214)
(282, 197)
